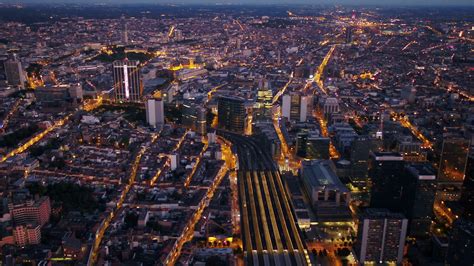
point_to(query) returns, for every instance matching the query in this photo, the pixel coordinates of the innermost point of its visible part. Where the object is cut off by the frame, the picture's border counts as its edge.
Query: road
(56, 124)
(318, 76)
(197, 164)
(109, 218)
(188, 232)
(318, 115)
(12, 111)
(270, 232)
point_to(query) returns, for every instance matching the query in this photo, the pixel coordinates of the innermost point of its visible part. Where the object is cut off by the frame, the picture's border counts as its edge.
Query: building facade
(231, 114)
(381, 237)
(155, 112)
(128, 85)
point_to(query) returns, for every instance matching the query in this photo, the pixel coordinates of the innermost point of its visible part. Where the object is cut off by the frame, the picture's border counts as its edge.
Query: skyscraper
(421, 213)
(127, 81)
(201, 123)
(155, 114)
(381, 237)
(461, 244)
(125, 31)
(359, 157)
(264, 101)
(391, 186)
(231, 114)
(296, 107)
(14, 72)
(452, 165)
(348, 34)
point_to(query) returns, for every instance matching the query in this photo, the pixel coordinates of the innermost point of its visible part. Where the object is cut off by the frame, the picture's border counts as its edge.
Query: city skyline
(239, 133)
(261, 2)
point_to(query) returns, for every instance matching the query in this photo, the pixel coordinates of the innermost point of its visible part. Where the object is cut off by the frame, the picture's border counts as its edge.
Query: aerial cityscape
(236, 133)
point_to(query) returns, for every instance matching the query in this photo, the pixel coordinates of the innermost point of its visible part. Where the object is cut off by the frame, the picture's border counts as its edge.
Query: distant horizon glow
(259, 2)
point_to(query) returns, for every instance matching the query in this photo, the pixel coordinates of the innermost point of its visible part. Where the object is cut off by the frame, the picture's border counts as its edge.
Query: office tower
(125, 31)
(178, 35)
(461, 244)
(155, 113)
(310, 145)
(421, 213)
(467, 195)
(285, 106)
(359, 157)
(14, 72)
(264, 102)
(452, 165)
(296, 107)
(348, 34)
(189, 115)
(331, 106)
(201, 126)
(391, 186)
(231, 114)
(3, 77)
(381, 237)
(128, 85)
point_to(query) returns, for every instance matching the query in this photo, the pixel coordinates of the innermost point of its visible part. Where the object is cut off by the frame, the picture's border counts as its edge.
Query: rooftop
(320, 174)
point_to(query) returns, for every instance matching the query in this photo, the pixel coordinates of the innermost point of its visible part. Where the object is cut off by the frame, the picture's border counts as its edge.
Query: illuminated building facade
(381, 237)
(264, 102)
(128, 85)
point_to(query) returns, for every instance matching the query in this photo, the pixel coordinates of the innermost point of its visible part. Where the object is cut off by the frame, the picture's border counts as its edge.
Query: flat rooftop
(320, 174)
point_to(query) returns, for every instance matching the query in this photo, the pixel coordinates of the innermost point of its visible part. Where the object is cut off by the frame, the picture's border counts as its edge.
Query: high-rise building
(125, 31)
(359, 158)
(452, 165)
(381, 237)
(128, 85)
(467, 196)
(391, 186)
(14, 72)
(461, 244)
(348, 34)
(231, 114)
(201, 123)
(310, 145)
(264, 102)
(421, 213)
(296, 107)
(155, 113)
(331, 106)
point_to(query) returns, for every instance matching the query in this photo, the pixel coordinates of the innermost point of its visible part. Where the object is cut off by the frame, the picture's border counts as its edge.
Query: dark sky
(347, 2)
